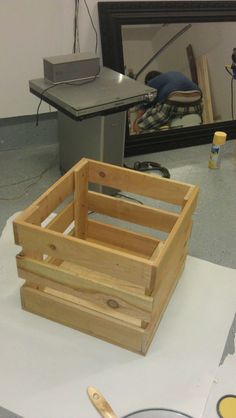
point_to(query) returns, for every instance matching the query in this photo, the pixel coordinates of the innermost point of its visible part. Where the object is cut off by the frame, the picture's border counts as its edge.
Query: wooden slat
(162, 299)
(81, 199)
(83, 319)
(188, 195)
(98, 304)
(94, 300)
(90, 255)
(55, 196)
(204, 84)
(115, 247)
(111, 281)
(136, 243)
(142, 244)
(171, 261)
(168, 269)
(33, 212)
(76, 277)
(183, 220)
(175, 242)
(157, 251)
(136, 182)
(122, 238)
(132, 212)
(49, 201)
(63, 219)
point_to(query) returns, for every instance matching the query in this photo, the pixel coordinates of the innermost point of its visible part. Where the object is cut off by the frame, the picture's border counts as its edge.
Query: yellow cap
(219, 138)
(226, 406)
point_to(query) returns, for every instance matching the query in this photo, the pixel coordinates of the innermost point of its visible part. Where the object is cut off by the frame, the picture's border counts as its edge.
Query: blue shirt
(171, 81)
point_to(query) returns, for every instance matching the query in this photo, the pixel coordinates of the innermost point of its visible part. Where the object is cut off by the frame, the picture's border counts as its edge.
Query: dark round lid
(157, 413)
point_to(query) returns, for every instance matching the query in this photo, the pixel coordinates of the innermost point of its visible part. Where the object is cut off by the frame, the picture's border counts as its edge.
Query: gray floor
(214, 231)
(29, 169)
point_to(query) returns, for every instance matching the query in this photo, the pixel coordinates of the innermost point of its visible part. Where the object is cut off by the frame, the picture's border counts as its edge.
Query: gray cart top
(107, 93)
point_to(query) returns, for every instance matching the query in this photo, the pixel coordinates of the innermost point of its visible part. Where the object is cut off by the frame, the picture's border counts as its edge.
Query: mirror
(193, 38)
(198, 51)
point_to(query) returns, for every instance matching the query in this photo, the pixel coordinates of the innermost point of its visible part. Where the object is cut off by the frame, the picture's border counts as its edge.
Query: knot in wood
(52, 246)
(113, 304)
(102, 174)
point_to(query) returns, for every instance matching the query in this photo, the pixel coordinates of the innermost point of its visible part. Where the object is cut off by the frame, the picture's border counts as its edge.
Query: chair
(186, 98)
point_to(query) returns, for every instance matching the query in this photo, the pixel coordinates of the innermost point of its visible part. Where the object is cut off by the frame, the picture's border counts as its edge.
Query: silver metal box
(71, 67)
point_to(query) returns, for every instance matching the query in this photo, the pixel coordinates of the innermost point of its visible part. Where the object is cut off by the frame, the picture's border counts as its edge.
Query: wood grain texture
(85, 280)
(51, 198)
(81, 199)
(100, 403)
(162, 299)
(67, 313)
(136, 243)
(204, 84)
(136, 182)
(107, 281)
(111, 306)
(64, 218)
(132, 212)
(96, 257)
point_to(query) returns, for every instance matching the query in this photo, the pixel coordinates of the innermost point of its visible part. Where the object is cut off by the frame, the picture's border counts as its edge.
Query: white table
(45, 367)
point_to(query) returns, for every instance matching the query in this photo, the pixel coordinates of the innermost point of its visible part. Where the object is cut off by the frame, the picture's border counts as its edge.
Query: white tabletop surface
(45, 367)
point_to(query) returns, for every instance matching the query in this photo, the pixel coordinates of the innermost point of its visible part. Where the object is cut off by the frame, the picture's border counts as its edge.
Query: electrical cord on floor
(128, 197)
(138, 166)
(38, 177)
(150, 166)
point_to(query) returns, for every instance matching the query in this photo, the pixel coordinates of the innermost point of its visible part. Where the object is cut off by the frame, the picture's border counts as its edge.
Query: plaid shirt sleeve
(155, 116)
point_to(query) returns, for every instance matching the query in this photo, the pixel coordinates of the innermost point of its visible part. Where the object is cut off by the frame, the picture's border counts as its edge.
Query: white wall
(174, 57)
(137, 49)
(29, 30)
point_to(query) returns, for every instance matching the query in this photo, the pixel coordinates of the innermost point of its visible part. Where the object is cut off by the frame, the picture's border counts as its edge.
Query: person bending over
(161, 111)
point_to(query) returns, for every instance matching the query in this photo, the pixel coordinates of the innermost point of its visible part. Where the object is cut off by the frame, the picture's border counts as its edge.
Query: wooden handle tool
(100, 403)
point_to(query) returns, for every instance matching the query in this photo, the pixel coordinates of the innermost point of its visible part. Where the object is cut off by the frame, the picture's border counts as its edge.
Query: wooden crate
(102, 279)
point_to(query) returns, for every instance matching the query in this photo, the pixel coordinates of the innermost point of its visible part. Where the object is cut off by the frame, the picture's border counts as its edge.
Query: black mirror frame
(112, 15)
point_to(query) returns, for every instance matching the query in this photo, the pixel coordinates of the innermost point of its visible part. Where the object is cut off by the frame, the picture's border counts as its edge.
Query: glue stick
(218, 140)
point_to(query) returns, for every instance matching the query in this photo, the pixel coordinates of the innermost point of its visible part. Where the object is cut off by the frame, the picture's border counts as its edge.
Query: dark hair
(151, 75)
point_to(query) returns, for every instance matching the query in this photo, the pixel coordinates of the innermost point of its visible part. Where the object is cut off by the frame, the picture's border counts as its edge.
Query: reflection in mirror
(197, 52)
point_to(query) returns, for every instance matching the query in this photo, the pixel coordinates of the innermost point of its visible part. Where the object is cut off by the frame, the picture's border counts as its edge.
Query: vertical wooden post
(81, 199)
(204, 84)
